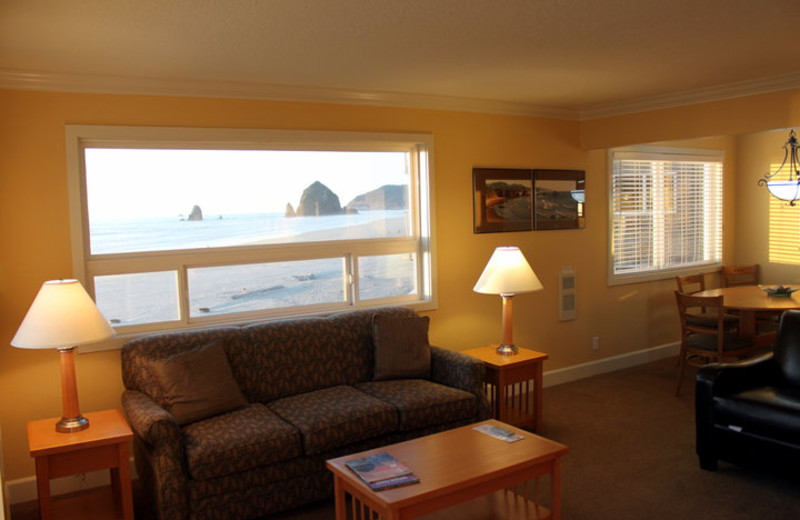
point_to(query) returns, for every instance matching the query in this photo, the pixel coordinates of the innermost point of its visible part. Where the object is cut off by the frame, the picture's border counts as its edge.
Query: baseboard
(603, 366)
(24, 489)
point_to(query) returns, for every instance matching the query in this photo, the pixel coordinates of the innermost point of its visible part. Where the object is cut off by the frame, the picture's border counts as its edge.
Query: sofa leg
(708, 462)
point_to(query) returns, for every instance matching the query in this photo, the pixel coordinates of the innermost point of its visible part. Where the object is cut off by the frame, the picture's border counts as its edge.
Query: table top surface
(489, 355)
(453, 460)
(106, 427)
(753, 297)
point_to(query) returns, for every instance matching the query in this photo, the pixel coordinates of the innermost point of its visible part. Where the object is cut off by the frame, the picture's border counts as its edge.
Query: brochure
(498, 432)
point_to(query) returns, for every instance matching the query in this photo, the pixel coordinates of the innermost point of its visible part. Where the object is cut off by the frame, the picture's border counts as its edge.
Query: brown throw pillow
(198, 384)
(401, 348)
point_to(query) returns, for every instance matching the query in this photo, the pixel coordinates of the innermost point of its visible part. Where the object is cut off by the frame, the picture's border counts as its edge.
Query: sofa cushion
(197, 384)
(335, 417)
(237, 441)
(402, 350)
(421, 403)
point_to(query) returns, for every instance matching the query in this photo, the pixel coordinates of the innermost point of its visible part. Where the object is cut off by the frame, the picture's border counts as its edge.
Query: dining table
(750, 301)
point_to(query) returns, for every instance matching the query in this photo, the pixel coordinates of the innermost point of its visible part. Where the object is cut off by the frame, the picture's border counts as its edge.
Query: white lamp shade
(62, 315)
(507, 272)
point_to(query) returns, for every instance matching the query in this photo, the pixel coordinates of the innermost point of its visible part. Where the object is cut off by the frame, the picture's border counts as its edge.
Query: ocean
(160, 234)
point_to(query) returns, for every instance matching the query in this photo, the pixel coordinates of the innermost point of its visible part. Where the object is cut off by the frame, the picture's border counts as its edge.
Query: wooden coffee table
(474, 475)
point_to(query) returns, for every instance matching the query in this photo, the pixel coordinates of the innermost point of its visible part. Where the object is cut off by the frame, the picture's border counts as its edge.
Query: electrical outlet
(596, 343)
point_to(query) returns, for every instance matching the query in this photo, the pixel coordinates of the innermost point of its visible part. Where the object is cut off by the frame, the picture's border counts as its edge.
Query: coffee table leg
(555, 507)
(340, 498)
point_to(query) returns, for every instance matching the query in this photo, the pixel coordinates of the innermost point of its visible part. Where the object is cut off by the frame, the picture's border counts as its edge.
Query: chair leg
(681, 365)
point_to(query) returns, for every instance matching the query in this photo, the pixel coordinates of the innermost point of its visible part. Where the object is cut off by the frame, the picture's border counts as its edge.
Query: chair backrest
(787, 347)
(691, 283)
(693, 306)
(740, 275)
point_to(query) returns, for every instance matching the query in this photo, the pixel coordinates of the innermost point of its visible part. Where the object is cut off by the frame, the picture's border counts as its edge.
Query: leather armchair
(749, 412)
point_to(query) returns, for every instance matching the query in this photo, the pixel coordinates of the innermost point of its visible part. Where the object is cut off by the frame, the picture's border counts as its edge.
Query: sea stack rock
(318, 200)
(389, 196)
(289, 211)
(196, 214)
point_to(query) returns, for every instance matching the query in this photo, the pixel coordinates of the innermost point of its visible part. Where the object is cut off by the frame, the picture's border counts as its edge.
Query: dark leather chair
(749, 412)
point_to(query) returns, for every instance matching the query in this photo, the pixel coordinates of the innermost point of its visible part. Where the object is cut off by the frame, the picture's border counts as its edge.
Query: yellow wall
(35, 242)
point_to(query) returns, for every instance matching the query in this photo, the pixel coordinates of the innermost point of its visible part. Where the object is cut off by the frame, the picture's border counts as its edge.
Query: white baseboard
(24, 489)
(603, 366)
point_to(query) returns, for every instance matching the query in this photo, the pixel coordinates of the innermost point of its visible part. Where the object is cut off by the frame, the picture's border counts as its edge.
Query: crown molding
(693, 97)
(100, 84)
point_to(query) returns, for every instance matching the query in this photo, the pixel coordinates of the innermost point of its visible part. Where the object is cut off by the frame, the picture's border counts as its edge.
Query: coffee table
(474, 475)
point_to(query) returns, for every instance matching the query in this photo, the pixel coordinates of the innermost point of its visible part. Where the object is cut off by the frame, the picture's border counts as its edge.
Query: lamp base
(507, 350)
(72, 424)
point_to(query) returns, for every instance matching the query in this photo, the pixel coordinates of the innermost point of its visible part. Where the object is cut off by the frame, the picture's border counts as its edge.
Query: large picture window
(666, 212)
(183, 227)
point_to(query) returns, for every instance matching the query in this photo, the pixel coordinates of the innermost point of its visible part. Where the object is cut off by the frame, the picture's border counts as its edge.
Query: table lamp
(63, 316)
(507, 273)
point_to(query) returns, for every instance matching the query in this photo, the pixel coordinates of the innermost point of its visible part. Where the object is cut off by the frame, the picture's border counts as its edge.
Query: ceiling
(562, 58)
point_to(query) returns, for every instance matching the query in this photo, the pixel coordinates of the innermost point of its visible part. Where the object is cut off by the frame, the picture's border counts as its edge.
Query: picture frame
(559, 199)
(503, 200)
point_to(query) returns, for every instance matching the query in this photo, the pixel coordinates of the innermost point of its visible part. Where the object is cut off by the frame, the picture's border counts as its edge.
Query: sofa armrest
(159, 455)
(461, 371)
(727, 378)
(152, 423)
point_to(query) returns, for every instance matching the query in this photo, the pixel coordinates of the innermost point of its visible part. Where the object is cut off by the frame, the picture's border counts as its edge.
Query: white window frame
(421, 241)
(712, 232)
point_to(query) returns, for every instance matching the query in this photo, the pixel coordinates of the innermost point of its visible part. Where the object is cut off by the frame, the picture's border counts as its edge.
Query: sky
(131, 183)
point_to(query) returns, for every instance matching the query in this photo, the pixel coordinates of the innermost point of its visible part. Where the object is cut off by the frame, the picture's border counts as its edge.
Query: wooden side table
(104, 445)
(513, 384)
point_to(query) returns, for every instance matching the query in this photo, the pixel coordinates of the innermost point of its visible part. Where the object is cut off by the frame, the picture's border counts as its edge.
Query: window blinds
(666, 210)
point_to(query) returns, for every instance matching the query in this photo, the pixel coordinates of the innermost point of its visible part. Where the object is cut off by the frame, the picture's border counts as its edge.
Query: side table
(104, 445)
(513, 384)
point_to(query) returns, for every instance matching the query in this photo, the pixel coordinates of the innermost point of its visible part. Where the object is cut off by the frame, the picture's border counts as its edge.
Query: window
(666, 212)
(178, 228)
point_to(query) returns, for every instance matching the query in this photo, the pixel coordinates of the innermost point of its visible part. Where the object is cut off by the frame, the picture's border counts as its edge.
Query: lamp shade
(62, 315)
(507, 272)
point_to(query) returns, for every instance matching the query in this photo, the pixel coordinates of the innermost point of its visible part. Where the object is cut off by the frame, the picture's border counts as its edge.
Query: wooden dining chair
(691, 283)
(740, 275)
(706, 341)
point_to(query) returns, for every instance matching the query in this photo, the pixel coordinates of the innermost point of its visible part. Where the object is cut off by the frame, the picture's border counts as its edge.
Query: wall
(35, 243)
(757, 151)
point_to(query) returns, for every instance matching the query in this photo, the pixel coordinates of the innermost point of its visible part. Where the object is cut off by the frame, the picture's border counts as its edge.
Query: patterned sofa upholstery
(310, 397)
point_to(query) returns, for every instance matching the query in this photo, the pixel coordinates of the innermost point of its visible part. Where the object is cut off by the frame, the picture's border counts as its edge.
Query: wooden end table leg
(537, 388)
(43, 488)
(121, 483)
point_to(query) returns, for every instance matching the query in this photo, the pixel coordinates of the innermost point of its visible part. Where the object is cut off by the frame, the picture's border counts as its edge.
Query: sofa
(237, 422)
(748, 413)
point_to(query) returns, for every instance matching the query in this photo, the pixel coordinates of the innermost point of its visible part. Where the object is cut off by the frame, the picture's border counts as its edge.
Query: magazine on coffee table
(382, 471)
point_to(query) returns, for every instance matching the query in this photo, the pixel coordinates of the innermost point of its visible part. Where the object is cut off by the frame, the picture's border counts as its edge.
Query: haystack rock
(196, 214)
(318, 200)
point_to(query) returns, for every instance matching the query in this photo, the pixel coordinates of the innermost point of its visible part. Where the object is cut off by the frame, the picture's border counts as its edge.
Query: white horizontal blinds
(667, 211)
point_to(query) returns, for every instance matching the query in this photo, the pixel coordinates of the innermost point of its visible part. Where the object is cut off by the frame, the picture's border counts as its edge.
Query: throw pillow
(198, 384)
(401, 348)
